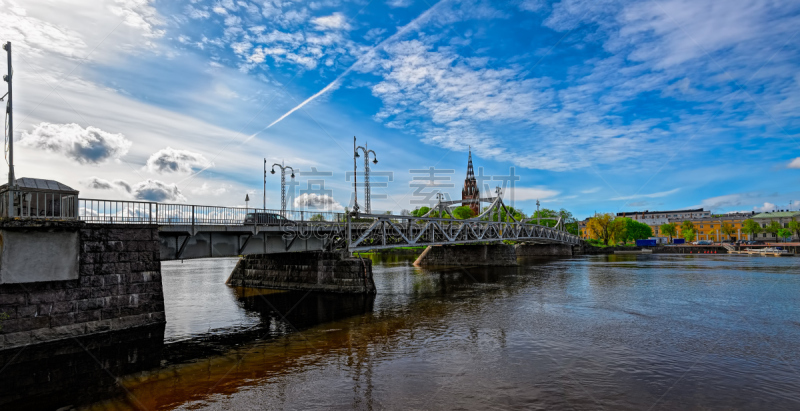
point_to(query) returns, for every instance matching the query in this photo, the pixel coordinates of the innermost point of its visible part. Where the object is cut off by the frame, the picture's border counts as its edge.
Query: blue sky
(600, 106)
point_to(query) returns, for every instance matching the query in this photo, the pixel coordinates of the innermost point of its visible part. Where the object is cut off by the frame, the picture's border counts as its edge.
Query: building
(783, 217)
(656, 218)
(710, 228)
(470, 191)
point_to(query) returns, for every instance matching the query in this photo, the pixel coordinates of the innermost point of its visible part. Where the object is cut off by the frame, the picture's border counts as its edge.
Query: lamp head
(272, 171)
(293, 174)
(357, 155)
(375, 161)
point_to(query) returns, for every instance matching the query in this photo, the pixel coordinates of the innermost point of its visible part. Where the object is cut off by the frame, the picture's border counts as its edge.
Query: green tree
(669, 229)
(773, 227)
(606, 228)
(794, 226)
(689, 235)
(317, 217)
(687, 225)
(635, 230)
(420, 211)
(462, 213)
(727, 229)
(784, 233)
(751, 227)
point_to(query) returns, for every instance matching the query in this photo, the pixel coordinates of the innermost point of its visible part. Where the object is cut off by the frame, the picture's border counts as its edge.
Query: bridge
(194, 231)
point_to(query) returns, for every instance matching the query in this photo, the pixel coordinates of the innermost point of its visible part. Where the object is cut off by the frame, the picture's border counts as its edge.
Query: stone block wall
(118, 287)
(309, 271)
(542, 250)
(468, 255)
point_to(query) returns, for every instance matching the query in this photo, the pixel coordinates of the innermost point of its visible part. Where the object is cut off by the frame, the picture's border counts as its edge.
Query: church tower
(470, 191)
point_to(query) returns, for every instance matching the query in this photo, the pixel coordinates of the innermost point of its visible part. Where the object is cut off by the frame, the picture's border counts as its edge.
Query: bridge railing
(146, 212)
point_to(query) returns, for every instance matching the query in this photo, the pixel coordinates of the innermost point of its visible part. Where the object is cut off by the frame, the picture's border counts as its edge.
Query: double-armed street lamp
(367, 205)
(283, 183)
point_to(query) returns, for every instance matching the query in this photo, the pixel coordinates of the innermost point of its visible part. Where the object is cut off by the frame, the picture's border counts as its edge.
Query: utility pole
(264, 207)
(10, 113)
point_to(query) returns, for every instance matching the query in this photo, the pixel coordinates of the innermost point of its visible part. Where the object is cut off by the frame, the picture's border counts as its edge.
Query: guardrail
(145, 212)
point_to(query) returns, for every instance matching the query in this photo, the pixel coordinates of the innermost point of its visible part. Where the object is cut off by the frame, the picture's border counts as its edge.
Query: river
(589, 332)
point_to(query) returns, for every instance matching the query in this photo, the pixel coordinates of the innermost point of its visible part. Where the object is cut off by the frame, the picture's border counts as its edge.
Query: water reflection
(76, 371)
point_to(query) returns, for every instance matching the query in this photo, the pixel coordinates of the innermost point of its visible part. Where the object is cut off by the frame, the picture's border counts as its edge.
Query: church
(470, 190)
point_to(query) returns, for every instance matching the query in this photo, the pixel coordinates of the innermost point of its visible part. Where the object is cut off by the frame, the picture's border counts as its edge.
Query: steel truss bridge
(193, 231)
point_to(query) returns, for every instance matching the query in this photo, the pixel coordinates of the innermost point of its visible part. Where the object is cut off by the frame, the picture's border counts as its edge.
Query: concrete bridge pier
(468, 254)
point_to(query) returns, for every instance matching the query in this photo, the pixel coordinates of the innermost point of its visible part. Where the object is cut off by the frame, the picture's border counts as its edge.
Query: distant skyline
(604, 106)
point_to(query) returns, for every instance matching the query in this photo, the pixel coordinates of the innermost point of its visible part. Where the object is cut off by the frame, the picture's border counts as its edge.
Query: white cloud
(531, 5)
(528, 193)
(591, 190)
(335, 21)
(37, 36)
(794, 163)
(651, 195)
(317, 201)
(97, 183)
(89, 145)
(170, 160)
(399, 3)
(766, 207)
(159, 191)
(139, 14)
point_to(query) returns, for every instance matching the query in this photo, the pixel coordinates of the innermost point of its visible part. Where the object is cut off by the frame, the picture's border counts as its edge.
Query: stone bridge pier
(68, 279)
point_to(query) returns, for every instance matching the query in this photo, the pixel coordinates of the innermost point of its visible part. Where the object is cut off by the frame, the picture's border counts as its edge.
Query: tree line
(607, 228)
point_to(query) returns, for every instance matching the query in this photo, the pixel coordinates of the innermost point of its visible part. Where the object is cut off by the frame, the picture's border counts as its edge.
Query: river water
(590, 332)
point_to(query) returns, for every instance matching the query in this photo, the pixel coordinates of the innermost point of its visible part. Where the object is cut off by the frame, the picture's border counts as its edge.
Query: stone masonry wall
(468, 255)
(535, 250)
(119, 287)
(309, 271)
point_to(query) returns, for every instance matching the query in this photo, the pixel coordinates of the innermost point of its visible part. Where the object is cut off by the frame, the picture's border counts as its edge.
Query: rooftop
(778, 214)
(696, 210)
(40, 184)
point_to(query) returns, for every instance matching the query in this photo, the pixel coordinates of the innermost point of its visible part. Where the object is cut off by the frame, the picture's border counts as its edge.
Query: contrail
(417, 21)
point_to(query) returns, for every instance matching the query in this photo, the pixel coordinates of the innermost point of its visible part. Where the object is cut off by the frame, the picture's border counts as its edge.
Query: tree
(669, 229)
(773, 227)
(605, 227)
(751, 227)
(727, 229)
(635, 230)
(688, 235)
(462, 213)
(784, 233)
(687, 225)
(420, 211)
(794, 226)
(317, 217)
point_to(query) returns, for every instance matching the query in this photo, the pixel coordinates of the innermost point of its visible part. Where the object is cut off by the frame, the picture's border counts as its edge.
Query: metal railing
(145, 212)
(28, 204)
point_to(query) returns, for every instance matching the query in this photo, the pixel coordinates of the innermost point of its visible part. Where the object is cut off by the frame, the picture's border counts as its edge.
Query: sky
(588, 105)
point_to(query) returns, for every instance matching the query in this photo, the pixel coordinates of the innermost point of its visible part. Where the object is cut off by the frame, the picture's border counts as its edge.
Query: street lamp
(366, 151)
(538, 216)
(283, 184)
(246, 202)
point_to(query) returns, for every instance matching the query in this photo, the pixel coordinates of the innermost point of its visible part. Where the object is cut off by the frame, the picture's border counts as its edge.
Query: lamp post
(246, 202)
(283, 185)
(366, 151)
(9, 112)
(538, 217)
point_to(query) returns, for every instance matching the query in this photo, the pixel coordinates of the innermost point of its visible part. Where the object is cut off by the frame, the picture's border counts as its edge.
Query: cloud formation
(651, 195)
(89, 145)
(97, 183)
(159, 191)
(794, 163)
(170, 160)
(317, 201)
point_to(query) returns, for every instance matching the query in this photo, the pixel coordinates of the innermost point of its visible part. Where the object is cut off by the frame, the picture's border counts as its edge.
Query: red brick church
(470, 191)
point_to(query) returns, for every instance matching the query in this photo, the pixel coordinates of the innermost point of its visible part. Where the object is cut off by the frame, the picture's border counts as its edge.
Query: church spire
(470, 171)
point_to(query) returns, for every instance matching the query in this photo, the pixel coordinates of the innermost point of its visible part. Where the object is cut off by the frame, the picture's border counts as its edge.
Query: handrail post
(150, 213)
(192, 215)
